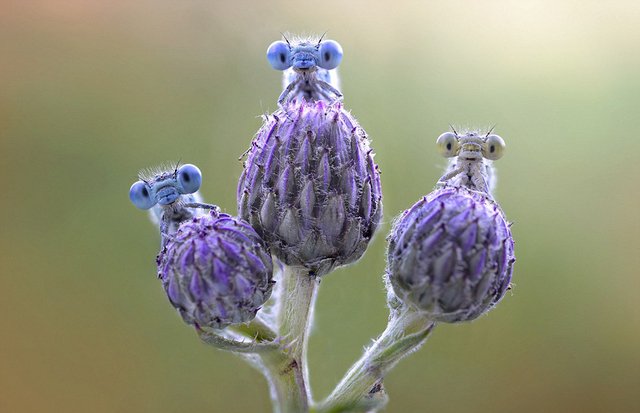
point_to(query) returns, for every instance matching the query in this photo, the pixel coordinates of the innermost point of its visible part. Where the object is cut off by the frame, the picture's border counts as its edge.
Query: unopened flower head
(310, 187)
(216, 271)
(309, 68)
(451, 255)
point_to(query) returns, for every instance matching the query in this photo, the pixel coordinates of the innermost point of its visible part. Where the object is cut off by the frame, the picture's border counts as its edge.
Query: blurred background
(92, 91)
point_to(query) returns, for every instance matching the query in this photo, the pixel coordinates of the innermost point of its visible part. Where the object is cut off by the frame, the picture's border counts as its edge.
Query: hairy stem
(256, 329)
(297, 312)
(286, 370)
(361, 388)
(286, 382)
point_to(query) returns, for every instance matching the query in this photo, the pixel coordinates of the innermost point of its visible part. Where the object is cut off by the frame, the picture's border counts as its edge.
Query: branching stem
(361, 389)
(287, 370)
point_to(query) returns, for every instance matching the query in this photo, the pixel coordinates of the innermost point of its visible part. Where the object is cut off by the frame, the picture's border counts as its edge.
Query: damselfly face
(304, 55)
(468, 152)
(308, 67)
(171, 196)
(164, 188)
(470, 146)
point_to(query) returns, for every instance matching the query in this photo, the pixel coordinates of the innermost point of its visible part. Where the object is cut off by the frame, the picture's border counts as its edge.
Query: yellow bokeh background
(92, 91)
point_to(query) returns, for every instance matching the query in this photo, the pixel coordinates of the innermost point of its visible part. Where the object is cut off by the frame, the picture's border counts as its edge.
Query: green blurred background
(92, 91)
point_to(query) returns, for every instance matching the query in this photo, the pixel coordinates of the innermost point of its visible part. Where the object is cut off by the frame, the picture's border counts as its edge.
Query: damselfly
(471, 154)
(309, 67)
(171, 195)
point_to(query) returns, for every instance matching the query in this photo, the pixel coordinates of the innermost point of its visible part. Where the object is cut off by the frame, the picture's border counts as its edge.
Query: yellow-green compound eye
(494, 147)
(447, 145)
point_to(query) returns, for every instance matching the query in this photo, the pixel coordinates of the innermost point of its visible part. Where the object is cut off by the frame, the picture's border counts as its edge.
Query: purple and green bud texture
(216, 271)
(310, 187)
(451, 255)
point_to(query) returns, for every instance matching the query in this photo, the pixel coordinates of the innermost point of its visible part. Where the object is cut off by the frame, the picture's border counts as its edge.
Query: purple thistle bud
(451, 255)
(310, 187)
(216, 271)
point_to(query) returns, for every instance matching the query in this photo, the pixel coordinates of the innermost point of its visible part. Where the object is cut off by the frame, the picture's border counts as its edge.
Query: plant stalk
(286, 382)
(296, 312)
(286, 370)
(361, 389)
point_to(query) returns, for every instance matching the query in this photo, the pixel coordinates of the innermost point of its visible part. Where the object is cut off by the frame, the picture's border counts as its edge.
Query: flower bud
(451, 255)
(216, 271)
(310, 187)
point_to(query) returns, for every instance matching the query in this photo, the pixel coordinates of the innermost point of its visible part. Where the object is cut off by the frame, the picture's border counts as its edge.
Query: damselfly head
(165, 186)
(471, 145)
(304, 55)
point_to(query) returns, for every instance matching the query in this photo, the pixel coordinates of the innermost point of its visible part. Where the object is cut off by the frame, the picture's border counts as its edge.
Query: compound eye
(330, 54)
(447, 144)
(140, 195)
(279, 55)
(494, 147)
(189, 178)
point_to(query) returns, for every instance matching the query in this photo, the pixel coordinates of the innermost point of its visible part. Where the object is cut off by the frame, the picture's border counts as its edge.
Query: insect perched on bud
(309, 67)
(451, 255)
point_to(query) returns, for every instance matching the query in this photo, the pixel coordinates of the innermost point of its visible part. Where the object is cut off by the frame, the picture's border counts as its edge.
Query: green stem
(361, 388)
(296, 312)
(224, 343)
(256, 330)
(286, 370)
(286, 382)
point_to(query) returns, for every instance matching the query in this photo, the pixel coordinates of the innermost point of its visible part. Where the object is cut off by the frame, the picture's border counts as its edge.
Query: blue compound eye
(278, 55)
(330, 54)
(189, 178)
(140, 195)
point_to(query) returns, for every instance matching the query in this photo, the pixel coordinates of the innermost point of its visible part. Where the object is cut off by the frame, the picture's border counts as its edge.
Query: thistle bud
(216, 271)
(451, 255)
(310, 187)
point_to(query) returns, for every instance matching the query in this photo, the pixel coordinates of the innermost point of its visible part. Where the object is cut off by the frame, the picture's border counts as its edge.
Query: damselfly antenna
(285, 39)
(490, 130)
(321, 37)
